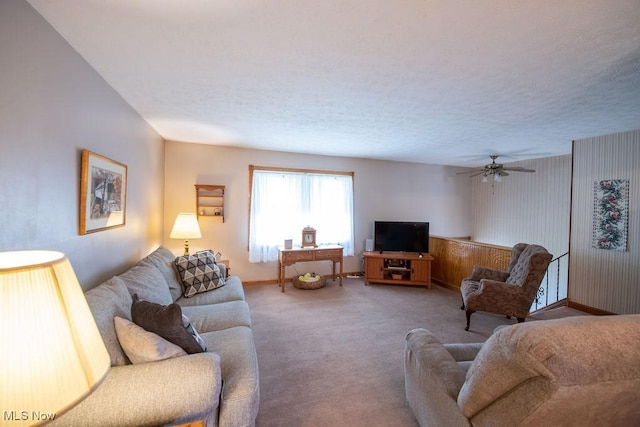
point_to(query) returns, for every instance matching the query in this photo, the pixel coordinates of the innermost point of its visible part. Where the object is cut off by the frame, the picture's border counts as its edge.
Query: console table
(322, 253)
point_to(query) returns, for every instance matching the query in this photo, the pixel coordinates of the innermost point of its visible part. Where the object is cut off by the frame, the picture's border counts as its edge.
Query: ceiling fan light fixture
(495, 170)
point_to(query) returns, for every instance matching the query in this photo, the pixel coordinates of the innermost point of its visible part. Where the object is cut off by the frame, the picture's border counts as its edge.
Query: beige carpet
(334, 356)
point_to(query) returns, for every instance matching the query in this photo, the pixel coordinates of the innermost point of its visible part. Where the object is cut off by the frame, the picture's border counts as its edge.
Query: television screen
(401, 236)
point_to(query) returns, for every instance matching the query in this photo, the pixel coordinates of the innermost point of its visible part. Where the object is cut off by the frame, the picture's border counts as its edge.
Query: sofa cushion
(178, 391)
(215, 317)
(199, 272)
(148, 283)
(240, 398)
(231, 291)
(163, 259)
(143, 346)
(106, 301)
(168, 322)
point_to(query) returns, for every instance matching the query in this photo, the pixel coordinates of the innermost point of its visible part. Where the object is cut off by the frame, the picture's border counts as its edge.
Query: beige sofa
(576, 371)
(219, 386)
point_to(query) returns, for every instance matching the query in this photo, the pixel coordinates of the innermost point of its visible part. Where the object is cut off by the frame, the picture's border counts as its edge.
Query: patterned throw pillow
(199, 272)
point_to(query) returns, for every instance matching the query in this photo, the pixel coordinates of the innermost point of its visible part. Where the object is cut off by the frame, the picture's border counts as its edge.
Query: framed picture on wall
(103, 193)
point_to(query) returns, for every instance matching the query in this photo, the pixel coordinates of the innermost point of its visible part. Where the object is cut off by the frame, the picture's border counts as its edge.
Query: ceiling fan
(497, 170)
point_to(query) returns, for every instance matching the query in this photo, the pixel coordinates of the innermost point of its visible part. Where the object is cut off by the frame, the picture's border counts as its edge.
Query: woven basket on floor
(315, 284)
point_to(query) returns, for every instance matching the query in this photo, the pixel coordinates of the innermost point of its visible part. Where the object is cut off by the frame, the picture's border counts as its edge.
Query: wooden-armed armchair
(508, 292)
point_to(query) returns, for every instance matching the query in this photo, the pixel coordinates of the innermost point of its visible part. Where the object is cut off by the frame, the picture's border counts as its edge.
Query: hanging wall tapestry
(610, 214)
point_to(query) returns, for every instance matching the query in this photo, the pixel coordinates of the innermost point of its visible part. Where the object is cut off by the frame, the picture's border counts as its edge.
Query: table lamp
(51, 353)
(186, 227)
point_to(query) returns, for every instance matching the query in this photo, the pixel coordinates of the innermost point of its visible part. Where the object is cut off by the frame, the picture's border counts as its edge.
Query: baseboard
(587, 309)
(562, 303)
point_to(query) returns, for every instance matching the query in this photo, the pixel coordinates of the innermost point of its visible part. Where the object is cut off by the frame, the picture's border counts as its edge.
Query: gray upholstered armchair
(508, 292)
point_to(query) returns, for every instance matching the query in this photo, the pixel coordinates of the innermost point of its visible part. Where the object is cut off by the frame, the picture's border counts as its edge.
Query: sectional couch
(219, 386)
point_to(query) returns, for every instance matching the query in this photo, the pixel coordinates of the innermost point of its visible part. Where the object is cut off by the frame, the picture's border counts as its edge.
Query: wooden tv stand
(397, 268)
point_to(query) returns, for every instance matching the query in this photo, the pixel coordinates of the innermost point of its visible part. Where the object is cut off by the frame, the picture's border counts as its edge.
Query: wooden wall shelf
(210, 200)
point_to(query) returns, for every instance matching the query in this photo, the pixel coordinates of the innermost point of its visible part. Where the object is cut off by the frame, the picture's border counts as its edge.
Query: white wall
(383, 191)
(53, 104)
(604, 279)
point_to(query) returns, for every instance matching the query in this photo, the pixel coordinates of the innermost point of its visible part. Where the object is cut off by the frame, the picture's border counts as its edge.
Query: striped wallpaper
(525, 207)
(604, 279)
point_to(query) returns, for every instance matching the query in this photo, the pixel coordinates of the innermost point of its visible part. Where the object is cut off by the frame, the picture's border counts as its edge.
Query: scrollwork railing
(556, 277)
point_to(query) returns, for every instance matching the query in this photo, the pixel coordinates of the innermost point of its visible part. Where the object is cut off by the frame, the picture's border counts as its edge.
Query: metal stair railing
(557, 272)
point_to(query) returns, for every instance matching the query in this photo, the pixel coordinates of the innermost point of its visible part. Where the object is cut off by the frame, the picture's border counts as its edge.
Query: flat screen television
(401, 236)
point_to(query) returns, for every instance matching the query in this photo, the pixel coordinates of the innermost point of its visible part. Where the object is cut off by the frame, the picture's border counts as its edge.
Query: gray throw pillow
(168, 322)
(143, 346)
(199, 272)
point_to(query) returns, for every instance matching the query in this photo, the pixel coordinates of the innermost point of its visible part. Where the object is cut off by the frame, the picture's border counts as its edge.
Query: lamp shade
(185, 227)
(51, 352)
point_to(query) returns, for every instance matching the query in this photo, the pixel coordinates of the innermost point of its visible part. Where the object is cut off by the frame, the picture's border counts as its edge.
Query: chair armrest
(428, 353)
(172, 391)
(491, 287)
(464, 352)
(433, 380)
(480, 273)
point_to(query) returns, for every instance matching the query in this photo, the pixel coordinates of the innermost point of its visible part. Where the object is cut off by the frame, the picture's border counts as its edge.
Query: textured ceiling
(430, 81)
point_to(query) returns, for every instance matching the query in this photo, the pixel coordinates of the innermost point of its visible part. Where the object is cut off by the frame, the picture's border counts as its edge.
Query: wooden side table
(331, 253)
(226, 264)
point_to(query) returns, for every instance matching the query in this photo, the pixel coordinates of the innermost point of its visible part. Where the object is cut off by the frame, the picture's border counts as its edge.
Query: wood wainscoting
(455, 258)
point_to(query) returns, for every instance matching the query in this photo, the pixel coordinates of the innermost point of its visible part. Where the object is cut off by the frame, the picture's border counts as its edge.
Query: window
(284, 201)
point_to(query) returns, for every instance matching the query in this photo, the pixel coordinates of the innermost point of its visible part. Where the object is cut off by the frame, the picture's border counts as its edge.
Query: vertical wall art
(610, 214)
(103, 193)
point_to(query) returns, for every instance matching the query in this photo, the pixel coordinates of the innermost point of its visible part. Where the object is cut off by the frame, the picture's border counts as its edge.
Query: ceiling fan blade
(473, 171)
(476, 174)
(518, 169)
(503, 173)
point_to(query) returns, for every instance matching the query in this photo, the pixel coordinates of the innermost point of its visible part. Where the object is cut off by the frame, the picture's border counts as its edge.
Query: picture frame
(103, 193)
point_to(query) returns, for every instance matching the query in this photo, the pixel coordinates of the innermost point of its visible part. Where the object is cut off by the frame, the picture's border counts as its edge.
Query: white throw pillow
(142, 346)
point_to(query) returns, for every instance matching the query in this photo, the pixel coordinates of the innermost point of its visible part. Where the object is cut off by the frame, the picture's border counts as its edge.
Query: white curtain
(283, 203)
